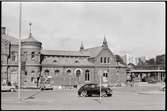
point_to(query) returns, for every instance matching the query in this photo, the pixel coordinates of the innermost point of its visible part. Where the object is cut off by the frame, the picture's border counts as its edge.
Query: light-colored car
(10, 88)
(46, 87)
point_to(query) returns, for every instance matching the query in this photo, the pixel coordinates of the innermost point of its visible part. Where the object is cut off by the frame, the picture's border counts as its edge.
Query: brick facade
(64, 67)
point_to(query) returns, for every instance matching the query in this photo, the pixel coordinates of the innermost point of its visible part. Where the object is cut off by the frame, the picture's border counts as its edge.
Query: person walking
(132, 80)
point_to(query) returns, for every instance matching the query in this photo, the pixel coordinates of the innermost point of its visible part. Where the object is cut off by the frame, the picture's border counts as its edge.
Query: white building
(128, 59)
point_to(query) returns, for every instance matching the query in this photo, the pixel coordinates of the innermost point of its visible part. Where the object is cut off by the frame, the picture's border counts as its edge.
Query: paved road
(123, 98)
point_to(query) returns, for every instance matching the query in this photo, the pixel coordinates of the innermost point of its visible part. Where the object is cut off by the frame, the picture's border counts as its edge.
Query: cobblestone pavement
(127, 98)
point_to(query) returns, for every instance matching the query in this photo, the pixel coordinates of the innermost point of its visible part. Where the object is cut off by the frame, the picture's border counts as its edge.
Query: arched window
(46, 72)
(105, 74)
(32, 72)
(68, 71)
(87, 75)
(101, 60)
(78, 73)
(56, 72)
(104, 59)
(32, 55)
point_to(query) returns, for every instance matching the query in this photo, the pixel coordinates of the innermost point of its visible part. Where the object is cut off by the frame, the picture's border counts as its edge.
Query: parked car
(6, 87)
(94, 89)
(46, 87)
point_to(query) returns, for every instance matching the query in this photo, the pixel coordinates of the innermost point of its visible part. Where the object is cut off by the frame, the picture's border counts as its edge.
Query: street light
(118, 74)
(100, 73)
(19, 58)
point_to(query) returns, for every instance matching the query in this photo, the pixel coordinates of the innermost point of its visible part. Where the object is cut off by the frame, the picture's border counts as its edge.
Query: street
(127, 98)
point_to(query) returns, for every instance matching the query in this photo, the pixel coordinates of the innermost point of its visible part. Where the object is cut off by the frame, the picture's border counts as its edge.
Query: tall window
(101, 59)
(13, 56)
(78, 73)
(25, 73)
(25, 55)
(108, 59)
(105, 74)
(32, 55)
(68, 71)
(32, 79)
(46, 72)
(104, 59)
(87, 75)
(56, 72)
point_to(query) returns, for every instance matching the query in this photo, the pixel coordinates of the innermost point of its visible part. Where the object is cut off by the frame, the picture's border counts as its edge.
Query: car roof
(90, 84)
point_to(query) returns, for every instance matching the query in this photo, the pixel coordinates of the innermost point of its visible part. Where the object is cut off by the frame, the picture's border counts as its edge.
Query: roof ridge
(61, 50)
(92, 48)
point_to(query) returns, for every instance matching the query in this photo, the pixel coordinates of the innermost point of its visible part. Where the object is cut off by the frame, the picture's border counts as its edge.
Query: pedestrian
(38, 80)
(132, 79)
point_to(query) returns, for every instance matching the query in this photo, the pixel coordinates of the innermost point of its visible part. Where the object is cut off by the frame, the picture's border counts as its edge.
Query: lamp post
(100, 73)
(19, 58)
(118, 74)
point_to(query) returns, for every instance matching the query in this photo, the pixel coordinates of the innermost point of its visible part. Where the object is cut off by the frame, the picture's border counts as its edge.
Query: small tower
(31, 49)
(104, 42)
(81, 47)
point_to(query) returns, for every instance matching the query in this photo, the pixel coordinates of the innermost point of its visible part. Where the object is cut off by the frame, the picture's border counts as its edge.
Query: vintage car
(94, 89)
(46, 87)
(6, 87)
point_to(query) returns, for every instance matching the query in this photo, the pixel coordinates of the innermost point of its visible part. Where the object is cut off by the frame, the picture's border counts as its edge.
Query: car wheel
(103, 94)
(12, 90)
(84, 93)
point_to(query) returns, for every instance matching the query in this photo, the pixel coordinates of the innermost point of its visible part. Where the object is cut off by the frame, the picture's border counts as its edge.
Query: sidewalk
(152, 92)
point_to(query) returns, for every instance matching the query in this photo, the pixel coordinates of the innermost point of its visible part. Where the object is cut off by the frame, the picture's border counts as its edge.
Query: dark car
(94, 89)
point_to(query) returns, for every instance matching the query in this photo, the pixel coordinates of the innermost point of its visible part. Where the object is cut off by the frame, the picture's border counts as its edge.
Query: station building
(65, 68)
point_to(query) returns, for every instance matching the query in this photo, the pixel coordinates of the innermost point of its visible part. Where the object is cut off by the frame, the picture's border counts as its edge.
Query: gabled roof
(11, 39)
(92, 52)
(62, 53)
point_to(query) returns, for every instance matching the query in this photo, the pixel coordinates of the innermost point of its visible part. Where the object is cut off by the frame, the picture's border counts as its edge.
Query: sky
(134, 28)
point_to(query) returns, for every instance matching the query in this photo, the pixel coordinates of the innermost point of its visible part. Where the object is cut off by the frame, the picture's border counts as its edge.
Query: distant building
(129, 59)
(65, 68)
(140, 60)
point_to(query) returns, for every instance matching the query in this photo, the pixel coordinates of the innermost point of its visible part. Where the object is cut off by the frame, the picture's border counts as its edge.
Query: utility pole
(19, 59)
(100, 73)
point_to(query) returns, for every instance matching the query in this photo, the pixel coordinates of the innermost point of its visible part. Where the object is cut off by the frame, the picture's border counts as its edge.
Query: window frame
(87, 75)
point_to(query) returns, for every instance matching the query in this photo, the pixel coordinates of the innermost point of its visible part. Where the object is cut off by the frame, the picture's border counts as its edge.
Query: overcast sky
(134, 28)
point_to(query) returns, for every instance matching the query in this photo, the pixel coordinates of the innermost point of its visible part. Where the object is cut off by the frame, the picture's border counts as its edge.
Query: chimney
(3, 30)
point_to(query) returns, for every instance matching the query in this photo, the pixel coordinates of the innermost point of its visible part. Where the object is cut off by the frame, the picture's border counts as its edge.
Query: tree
(151, 61)
(119, 59)
(160, 59)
